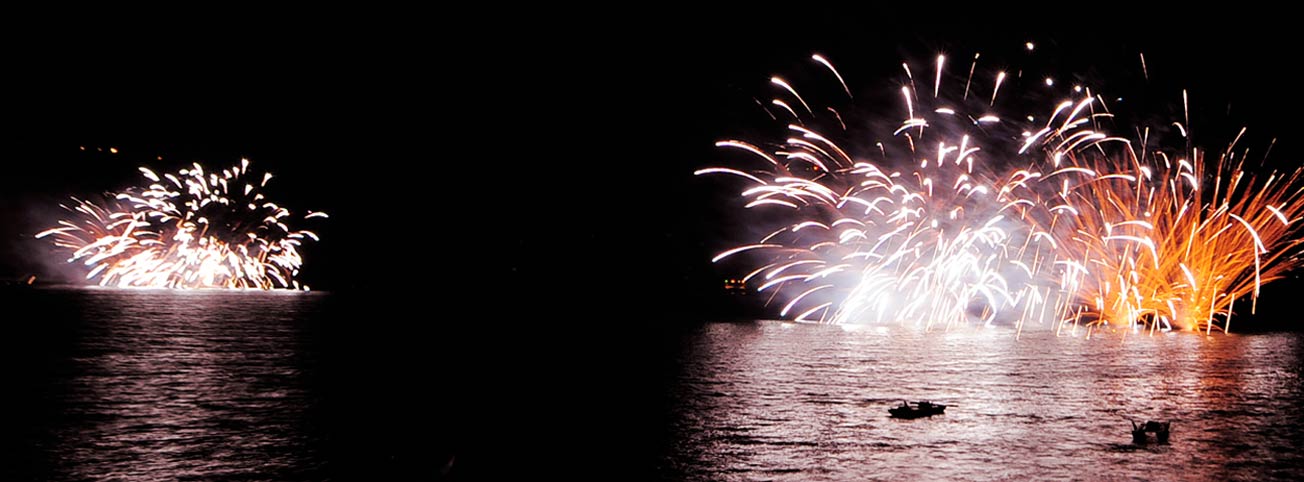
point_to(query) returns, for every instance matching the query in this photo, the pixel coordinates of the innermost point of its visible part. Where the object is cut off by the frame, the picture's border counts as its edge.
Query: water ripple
(774, 401)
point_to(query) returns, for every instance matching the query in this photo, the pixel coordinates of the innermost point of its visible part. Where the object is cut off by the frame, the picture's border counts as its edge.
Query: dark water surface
(161, 385)
(775, 401)
(209, 385)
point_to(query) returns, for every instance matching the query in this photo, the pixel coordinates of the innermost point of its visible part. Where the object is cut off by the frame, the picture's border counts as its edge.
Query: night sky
(535, 177)
(533, 158)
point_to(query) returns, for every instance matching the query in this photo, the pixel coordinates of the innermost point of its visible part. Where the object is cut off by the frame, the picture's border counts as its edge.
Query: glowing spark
(786, 107)
(749, 148)
(937, 84)
(1000, 77)
(734, 251)
(779, 82)
(822, 60)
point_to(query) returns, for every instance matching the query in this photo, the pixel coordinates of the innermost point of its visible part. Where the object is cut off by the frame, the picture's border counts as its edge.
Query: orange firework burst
(1162, 242)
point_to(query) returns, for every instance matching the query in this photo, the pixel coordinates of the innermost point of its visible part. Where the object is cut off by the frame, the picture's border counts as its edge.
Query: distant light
(81, 147)
(853, 327)
(1077, 88)
(113, 150)
(1050, 81)
(1030, 46)
(160, 158)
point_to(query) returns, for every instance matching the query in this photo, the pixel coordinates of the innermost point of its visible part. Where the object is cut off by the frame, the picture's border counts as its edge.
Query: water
(156, 385)
(774, 401)
(208, 385)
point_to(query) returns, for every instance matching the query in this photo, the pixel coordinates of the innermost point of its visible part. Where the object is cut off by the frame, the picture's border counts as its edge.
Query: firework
(925, 227)
(1168, 243)
(189, 229)
(961, 214)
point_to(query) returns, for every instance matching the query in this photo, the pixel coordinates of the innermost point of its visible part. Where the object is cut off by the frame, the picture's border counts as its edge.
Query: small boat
(919, 409)
(1160, 429)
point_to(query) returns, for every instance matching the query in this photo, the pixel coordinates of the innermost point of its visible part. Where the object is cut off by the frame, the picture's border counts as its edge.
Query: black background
(514, 219)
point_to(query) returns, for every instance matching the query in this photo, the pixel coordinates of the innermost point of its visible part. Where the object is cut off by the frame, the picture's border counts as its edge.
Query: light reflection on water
(769, 400)
(167, 385)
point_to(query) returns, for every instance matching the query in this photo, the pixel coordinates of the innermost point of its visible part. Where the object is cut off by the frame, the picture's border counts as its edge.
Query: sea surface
(143, 385)
(147, 385)
(781, 401)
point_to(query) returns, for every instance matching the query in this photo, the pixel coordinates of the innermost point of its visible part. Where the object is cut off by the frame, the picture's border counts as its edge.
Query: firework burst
(1168, 243)
(926, 227)
(961, 214)
(189, 229)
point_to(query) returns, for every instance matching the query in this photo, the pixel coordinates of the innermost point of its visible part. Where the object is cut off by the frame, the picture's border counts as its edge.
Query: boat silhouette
(917, 410)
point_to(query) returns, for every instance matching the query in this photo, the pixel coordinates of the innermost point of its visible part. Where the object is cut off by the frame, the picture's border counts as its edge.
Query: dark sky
(527, 151)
